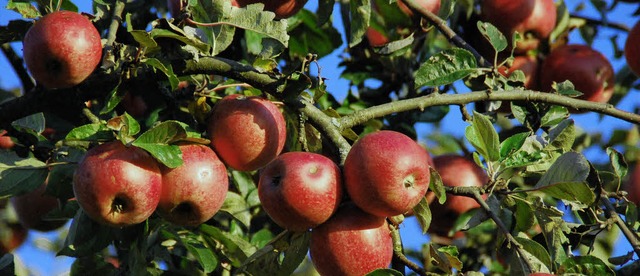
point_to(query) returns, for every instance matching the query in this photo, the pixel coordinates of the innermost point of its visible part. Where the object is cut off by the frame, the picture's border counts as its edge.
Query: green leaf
(497, 40)
(385, 272)
(445, 67)
(513, 144)
(554, 115)
(25, 8)
(237, 248)
(237, 207)
(85, 237)
(91, 132)
(281, 256)
(569, 167)
(34, 122)
(572, 191)
(483, 137)
(166, 68)
(436, 185)
(422, 213)
(125, 125)
(620, 167)
(157, 139)
(562, 136)
(566, 88)
(178, 34)
(307, 36)
(202, 254)
(524, 216)
(536, 253)
(114, 99)
(7, 266)
(585, 265)
(360, 15)
(20, 175)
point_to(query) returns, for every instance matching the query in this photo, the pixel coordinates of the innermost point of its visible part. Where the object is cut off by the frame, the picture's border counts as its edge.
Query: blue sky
(42, 262)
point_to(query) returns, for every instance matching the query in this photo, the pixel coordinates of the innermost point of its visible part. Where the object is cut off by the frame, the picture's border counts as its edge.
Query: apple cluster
(282, 8)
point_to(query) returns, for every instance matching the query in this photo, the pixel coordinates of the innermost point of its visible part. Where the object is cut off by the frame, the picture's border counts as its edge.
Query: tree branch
(598, 22)
(116, 20)
(399, 254)
(441, 25)
(362, 116)
(16, 63)
(630, 235)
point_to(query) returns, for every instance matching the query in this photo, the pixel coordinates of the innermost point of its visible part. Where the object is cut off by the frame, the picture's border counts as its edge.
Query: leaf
(524, 216)
(20, 175)
(384, 272)
(562, 136)
(237, 207)
(497, 40)
(281, 256)
(620, 167)
(237, 249)
(585, 265)
(24, 8)
(307, 36)
(571, 191)
(114, 99)
(202, 254)
(554, 115)
(360, 15)
(566, 88)
(536, 253)
(513, 144)
(180, 35)
(91, 132)
(436, 185)
(7, 266)
(125, 125)
(569, 167)
(34, 122)
(165, 68)
(445, 67)
(157, 139)
(85, 237)
(483, 137)
(422, 213)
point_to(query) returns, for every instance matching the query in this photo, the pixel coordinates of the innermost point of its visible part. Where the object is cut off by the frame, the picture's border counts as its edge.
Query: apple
(386, 173)
(533, 19)
(282, 8)
(33, 206)
(117, 185)
(193, 192)
(351, 242)
(455, 171)
(246, 132)
(62, 49)
(12, 236)
(376, 38)
(134, 105)
(632, 50)
(300, 190)
(431, 5)
(588, 70)
(632, 184)
(528, 65)
(5, 141)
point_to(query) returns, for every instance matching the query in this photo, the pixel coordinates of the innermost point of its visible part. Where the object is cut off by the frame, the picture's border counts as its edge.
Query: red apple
(300, 190)
(455, 171)
(246, 132)
(193, 192)
(431, 5)
(351, 242)
(33, 206)
(528, 65)
(5, 141)
(175, 6)
(62, 49)
(588, 70)
(376, 38)
(12, 236)
(282, 8)
(386, 173)
(632, 185)
(534, 19)
(117, 185)
(632, 49)
(134, 105)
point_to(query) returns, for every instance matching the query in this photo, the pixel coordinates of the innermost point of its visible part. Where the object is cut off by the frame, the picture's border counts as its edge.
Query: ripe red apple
(632, 49)
(117, 185)
(12, 236)
(246, 132)
(351, 242)
(5, 141)
(193, 192)
(376, 38)
(588, 70)
(632, 185)
(386, 173)
(455, 171)
(534, 19)
(62, 49)
(33, 206)
(134, 105)
(300, 190)
(528, 65)
(282, 8)
(431, 5)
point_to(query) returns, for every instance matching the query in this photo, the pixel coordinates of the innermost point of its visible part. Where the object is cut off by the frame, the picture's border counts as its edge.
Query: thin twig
(16, 63)
(598, 22)
(116, 20)
(630, 235)
(399, 254)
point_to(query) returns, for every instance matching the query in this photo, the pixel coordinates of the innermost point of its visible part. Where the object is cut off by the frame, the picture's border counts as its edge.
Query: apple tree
(203, 137)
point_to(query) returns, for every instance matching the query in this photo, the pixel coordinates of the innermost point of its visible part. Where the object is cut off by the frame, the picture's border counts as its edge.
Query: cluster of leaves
(545, 199)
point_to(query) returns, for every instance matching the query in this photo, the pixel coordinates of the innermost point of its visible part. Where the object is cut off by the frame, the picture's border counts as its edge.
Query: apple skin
(33, 206)
(588, 70)
(535, 17)
(528, 65)
(632, 185)
(376, 38)
(62, 49)
(632, 49)
(13, 238)
(282, 8)
(134, 105)
(386, 173)
(246, 132)
(351, 242)
(193, 192)
(431, 5)
(5, 141)
(300, 190)
(117, 185)
(455, 171)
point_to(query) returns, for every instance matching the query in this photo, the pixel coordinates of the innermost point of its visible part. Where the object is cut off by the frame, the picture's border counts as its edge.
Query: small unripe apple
(588, 70)
(300, 190)
(351, 242)
(117, 185)
(632, 49)
(246, 132)
(33, 206)
(455, 171)
(282, 8)
(386, 173)
(62, 49)
(193, 192)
